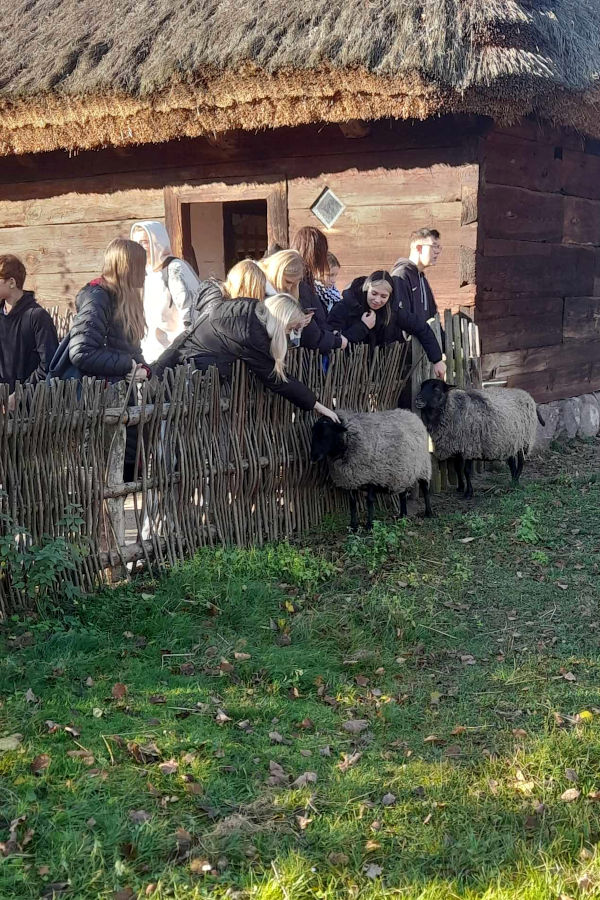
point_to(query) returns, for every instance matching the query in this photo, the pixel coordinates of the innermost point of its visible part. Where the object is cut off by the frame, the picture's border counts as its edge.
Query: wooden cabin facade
(518, 210)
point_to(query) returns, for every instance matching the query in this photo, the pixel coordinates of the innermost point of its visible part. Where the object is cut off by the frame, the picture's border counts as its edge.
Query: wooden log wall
(538, 261)
(59, 212)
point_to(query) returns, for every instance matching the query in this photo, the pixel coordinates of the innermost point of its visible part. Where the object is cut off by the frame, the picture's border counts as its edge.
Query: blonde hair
(124, 270)
(278, 265)
(284, 312)
(245, 279)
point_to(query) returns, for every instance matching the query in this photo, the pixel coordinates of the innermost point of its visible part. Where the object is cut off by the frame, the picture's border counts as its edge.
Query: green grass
(461, 628)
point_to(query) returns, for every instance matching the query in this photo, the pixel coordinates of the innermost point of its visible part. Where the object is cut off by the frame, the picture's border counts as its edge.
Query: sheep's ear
(449, 387)
(339, 426)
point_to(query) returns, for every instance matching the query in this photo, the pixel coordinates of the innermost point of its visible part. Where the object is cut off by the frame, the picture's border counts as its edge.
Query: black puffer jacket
(97, 343)
(318, 334)
(226, 330)
(28, 342)
(346, 317)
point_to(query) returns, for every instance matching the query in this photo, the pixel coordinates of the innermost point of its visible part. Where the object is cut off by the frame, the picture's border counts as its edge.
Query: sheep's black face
(328, 439)
(432, 396)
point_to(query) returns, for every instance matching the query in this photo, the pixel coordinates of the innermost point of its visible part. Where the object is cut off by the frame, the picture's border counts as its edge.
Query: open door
(212, 224)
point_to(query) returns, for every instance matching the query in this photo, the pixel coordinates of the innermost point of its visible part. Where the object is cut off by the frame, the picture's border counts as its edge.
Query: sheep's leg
(403, 508)
(424, 485)
(370, 507)
(520, 464)
(512, 465)
(458, 468)
(353, 511)
(469, 487)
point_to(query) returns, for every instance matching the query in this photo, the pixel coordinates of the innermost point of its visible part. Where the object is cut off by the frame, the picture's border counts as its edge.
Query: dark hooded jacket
(412, 289)
(391, 321)
(28, 342)
(96, 344)
(318, 334)
(226, 330)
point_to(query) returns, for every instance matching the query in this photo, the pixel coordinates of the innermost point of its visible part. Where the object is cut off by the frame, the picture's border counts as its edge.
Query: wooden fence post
(116, 437)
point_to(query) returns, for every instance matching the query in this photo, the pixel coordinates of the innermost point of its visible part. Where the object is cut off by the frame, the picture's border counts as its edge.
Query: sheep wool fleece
(491, 424)
(386, 449)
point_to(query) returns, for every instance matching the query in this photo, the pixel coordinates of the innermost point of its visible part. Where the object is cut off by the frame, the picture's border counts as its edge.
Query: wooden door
(179, 197)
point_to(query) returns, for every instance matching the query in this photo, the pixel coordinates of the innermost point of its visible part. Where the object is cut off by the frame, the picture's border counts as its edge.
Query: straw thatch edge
(253, 99)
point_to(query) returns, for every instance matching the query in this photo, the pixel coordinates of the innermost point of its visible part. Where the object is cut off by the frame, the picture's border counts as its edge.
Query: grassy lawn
(415, 714)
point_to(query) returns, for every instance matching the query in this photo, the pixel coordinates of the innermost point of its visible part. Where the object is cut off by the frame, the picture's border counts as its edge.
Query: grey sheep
(498, 423)
(378, 451)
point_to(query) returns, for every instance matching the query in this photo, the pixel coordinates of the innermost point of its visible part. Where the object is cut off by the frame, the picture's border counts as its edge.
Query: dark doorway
(244, 230)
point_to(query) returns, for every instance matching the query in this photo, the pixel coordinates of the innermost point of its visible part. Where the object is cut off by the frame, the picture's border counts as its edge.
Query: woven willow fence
(214, 463)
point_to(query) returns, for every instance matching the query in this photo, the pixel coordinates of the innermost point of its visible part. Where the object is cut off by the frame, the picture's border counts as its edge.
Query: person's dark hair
(12, 267)
(422, 233)
(311, 244)
(332, 261)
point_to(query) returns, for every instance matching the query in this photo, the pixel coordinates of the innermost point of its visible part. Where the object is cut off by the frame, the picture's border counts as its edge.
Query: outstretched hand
(324, 411)
(439, 369)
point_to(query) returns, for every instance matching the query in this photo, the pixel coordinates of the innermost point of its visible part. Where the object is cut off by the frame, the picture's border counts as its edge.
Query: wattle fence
(214, 464)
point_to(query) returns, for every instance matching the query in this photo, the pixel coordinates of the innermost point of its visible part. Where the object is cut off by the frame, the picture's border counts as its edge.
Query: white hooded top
(170, 292)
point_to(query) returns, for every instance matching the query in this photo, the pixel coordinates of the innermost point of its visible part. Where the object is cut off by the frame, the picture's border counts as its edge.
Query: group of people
(148, 311)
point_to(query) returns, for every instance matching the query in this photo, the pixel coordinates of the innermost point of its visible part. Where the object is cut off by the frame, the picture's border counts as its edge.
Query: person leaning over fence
(28, 338)
(170, 288)
(108, 326)
(311, 244)
(257, 333)
(284, 271)
(370, 314)
(245, 280)
(410, 281)
(327, 289)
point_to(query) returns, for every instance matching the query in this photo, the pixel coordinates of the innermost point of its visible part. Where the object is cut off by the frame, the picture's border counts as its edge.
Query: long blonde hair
(124, 270)
(278, 265)
(245, 279)
(284, 313)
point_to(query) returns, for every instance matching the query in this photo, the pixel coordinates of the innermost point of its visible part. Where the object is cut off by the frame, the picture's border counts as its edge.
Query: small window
(328, 208)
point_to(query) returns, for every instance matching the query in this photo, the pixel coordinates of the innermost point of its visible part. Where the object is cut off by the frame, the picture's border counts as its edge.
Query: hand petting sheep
(374, 452)
(498, 423)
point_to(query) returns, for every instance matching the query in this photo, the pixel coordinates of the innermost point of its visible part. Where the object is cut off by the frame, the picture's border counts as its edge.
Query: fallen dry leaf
(40, 764)
(187, 668)
(325, 751)
(89, 681)
(304, 779)
(303, 822)
(242, 657)
(373, 871)
(139, 816)
(277, 776)
(275, 737)
(221, 717)
(54, 889)
(52, 727)
(388, 799)
(74, 732)
(30, 696)
(585, 884)
(10, 743)
(427, 819)
(119, 690)
(349, 760)
(97, 712)
(124, 894)
(453, 751)
(568, 676)
(468, 660)
(306, 724)
(84, 755)
(519, 732)
(459, 729)
(571, 775)
(433, 739)
(570, 794)
(200, 867)
(355, 726)
(157, 698)
(169, 767)
(144, 753)
(338, 859)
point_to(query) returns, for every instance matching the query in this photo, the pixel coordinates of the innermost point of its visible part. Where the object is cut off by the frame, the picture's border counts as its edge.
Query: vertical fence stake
(116, 439)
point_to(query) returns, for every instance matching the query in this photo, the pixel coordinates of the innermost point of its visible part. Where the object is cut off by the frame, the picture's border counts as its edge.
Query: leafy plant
(40, 571)
(527, 528)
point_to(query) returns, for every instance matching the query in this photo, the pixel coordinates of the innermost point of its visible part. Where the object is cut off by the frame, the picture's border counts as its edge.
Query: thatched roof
(87, 73)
